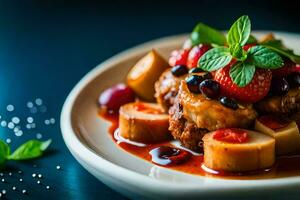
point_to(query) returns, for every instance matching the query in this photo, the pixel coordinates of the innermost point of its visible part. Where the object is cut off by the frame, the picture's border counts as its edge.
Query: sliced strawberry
(257, 89)
(231, 135)
(178, 57)
(195, 54)
(288, 67)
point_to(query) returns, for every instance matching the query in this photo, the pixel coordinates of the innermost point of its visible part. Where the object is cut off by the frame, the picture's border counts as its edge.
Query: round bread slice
(258, 152)
(144, 122)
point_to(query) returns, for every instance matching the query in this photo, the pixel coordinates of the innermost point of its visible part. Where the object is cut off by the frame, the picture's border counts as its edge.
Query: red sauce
(273, 122)
(231, 135)
(138, 106)
(285, 166)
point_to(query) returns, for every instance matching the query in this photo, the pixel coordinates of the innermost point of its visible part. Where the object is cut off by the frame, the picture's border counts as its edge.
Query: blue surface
(46, 47)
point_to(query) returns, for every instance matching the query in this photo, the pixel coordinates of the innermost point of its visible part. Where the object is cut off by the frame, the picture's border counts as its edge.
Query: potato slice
(145, 73)
(144, 122)
(287, 138)
(256, 153)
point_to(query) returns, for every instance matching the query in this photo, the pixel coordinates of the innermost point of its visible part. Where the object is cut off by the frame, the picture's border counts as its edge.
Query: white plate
(87, 138)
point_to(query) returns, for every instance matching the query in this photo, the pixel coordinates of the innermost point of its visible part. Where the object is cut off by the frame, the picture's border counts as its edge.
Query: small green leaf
(273, 43)
(4, 153)
(30, 149)
(237, 52)
(239, 31)
(205, 34)
(285, 52)
(251, 40)
(215, 59)
(263, 57)
(242, 73)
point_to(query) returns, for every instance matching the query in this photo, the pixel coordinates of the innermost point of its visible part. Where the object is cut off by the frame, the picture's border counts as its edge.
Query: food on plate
(144, 73)
(238, 150)
(143, 122)
(227, 102)
(285, 132)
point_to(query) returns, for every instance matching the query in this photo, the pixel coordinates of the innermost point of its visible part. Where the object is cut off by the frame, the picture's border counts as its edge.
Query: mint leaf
(242, 73)
(30, 149)
(4, 153)
(205, 34)
(239, 31)
(285, 52)
(263, 57)
(215, 59)
(238, 52)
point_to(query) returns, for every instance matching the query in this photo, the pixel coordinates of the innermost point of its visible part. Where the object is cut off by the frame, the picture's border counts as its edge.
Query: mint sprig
(29, 150)
(206, 34)
(242, 72)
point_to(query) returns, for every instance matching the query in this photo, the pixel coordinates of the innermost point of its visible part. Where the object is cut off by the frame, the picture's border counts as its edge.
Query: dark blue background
(47, 46)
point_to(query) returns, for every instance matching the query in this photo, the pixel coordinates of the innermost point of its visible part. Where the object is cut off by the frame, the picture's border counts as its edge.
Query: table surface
(47, 46)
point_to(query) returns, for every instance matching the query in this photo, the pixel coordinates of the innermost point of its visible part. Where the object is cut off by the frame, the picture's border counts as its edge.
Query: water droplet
(3, 191)
(58, 167)
(10, 174)
(29, 104)
(8, 140)
(33, 110)
(21, 180)
(29, 120)
(3, 123)
(14, 188)
(47, 122)
(3, 180)
(39, 136)
(32, 125)
(15, 120)
(40, 176)
(47, 187)
(11, 125)
(38, 182)
(24, 191)
(38, 101)
(28, 126)
(52, 121)
(10, 108)
(20, 172)
(19, 133)
(33, 175)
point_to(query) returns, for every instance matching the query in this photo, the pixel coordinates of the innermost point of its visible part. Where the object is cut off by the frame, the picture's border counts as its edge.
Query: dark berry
(293, 79)
(210, 88)
(207, 76)
(196, 70)
(193, 83)
(229, 103)
(179, 70)
(279, 86)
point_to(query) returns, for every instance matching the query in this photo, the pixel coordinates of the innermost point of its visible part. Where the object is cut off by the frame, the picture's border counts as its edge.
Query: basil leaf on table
(239, 31)
(242, 73)
(29, 150)
(263, 57)
(215, 59)
(206, 34)
(4, 153)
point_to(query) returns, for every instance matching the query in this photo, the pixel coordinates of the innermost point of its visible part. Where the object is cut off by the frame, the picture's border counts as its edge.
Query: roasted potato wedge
(144, 122)
(142, 77)
(257, 153)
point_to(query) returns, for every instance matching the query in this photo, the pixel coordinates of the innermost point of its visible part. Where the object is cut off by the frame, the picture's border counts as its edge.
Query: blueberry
(193, 83)
(196, 70)
(229, 103)
(293, 79)
(207, 76)
(279, 86)
(179, 70)
(210, 88)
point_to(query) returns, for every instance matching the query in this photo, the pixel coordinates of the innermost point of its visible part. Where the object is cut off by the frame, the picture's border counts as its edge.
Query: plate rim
(83, 153)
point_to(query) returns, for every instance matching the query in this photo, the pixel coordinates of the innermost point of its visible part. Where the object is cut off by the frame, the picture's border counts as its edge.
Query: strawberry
(178, 57)
(257, 89)
(288, 67)
(195, 54)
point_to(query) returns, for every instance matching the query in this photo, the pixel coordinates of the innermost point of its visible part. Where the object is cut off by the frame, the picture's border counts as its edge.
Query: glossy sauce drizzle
(285, 166)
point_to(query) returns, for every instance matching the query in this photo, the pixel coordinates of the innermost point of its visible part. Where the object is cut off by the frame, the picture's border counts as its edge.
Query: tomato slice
(231, 135)
(138, 106)
(273, 123)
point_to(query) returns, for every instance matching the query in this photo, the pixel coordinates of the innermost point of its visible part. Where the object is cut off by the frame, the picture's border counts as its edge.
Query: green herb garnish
(243, 70)
(206, 34)
(29, 150)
